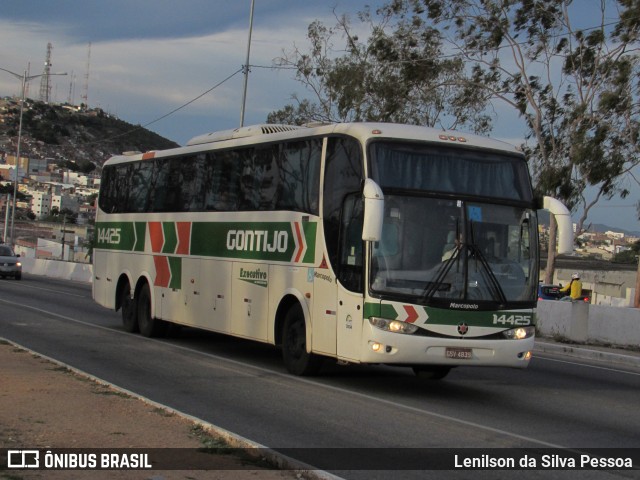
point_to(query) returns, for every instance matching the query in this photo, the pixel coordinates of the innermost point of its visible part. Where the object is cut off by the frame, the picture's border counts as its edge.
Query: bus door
(350, 280)
(324, 316)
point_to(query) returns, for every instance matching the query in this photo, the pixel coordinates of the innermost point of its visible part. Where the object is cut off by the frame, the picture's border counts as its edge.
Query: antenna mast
(45, 83)
(85, 88)
(26, 87)
(70, 98)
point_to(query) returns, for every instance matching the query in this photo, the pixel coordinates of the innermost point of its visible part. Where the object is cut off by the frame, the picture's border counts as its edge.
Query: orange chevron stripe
(300, 242)
(156, 235)
(163, 272)
(184, 237)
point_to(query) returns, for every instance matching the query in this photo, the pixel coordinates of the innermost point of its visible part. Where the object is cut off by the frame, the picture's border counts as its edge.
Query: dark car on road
(10, 265)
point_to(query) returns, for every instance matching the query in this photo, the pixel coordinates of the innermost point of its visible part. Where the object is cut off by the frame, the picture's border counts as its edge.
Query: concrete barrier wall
(80, 272)
(585, 323)
(575, 321)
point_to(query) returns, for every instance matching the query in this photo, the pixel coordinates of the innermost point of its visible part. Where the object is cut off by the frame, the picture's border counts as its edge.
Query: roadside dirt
(44, 405)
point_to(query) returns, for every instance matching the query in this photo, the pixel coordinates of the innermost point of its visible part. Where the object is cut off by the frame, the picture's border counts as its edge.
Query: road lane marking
(26, 285)
(609, 369)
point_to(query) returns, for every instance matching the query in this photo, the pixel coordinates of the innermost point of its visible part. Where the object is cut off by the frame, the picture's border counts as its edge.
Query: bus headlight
(395, 326)
(519, 333)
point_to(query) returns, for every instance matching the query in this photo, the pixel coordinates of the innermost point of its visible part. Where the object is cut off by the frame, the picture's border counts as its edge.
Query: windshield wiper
(434, 286)
(490, 278)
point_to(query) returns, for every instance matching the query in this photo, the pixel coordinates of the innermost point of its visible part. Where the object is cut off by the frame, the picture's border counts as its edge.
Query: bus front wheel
(294, 345)
(149, 326)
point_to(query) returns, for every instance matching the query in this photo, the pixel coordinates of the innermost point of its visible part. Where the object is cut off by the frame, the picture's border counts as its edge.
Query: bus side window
(299, 170)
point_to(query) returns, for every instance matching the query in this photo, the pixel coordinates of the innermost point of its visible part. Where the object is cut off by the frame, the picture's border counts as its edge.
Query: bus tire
(294, 345)
(149, 326)
(129, 313)
(431, 372)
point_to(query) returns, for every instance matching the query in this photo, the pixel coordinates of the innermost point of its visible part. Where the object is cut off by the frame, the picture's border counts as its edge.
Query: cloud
(141, 78)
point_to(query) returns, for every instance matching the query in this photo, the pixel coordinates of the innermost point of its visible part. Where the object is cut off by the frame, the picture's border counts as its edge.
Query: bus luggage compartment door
(250, 300)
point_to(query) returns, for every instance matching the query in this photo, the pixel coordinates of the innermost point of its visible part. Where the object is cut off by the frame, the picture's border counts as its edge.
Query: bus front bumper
(380, 346)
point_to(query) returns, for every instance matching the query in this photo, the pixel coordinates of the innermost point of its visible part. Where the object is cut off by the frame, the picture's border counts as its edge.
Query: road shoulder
(46, 405)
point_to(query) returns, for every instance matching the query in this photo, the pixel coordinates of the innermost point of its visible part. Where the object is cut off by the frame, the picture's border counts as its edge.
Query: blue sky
(149, 57)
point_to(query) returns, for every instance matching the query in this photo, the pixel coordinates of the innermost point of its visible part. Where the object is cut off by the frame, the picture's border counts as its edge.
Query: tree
(628, 256)
(577, 89)
(399, 73)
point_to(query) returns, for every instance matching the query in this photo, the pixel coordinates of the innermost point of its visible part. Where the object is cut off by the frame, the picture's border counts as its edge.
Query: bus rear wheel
(149, 326)
(294, 345)
(128, 306)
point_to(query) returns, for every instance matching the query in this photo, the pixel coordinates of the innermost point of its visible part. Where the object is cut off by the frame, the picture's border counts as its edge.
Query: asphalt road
(242, 387)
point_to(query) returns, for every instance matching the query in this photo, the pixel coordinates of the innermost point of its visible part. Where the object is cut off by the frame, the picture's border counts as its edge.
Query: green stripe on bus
(441, 316)
(141, 232)
(274, 241)
(175, 267)
(170, 237)
(310, 229)
(115, 235)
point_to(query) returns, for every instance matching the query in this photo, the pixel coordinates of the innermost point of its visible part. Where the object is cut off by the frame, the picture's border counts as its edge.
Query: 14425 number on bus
(109, 235)
(505, 319)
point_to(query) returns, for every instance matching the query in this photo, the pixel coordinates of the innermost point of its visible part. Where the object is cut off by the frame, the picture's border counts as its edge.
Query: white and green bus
(362, 242)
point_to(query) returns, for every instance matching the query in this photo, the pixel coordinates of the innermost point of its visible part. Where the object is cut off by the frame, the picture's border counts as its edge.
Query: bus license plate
(458, 353)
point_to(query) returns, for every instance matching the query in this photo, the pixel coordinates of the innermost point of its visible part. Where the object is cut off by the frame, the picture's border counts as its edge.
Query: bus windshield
(434, 251)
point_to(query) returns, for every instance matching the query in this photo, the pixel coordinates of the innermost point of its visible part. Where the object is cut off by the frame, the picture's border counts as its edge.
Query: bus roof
(363, 131)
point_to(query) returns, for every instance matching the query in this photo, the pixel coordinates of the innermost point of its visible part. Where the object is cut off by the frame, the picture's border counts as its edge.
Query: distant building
(23, 165)
(37, 165)
(64, 201)
(41, 204)
(616, 235)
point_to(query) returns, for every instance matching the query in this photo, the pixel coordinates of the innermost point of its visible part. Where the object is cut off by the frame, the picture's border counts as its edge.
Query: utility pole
(636, 298)
(7, 206)
(64, 227)
(24, 80)
(246, 66)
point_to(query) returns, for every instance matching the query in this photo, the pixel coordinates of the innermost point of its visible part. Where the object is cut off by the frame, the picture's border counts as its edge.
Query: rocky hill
(67, 133)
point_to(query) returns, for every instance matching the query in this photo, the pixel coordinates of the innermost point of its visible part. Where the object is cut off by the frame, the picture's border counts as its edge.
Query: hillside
(65, 133)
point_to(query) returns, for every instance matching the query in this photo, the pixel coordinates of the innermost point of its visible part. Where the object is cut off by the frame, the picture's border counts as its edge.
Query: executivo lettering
(257, 277)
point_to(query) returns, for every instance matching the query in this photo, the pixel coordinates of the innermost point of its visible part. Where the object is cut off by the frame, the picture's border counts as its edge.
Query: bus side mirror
(373, 211)
(565, 225)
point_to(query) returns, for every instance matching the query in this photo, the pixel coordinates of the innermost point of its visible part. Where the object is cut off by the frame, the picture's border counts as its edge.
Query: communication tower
(45, 85)
(72, 86)
(85, 88)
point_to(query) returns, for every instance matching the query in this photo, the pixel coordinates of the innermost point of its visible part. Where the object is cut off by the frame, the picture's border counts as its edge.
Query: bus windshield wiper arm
(492, 281)
(432, 287)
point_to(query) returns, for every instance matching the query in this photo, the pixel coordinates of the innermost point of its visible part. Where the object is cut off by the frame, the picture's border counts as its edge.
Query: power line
(193, 100)
(169, 113)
